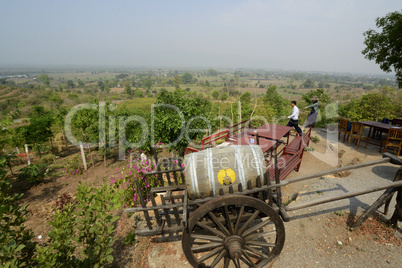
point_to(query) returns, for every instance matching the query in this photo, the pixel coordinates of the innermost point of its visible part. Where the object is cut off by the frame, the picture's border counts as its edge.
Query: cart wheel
(235, 231)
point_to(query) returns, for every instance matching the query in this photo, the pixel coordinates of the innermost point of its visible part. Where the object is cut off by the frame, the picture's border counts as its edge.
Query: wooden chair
(378, 132)
(343, 128)
(394, 139)
(356, 134)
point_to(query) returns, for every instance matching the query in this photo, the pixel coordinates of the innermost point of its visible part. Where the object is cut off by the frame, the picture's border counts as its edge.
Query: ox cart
(235, 225)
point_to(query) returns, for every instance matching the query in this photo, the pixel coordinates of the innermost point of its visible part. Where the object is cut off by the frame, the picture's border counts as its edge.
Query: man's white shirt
(295, 113)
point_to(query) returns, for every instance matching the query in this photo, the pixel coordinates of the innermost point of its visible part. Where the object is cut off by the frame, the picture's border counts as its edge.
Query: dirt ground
(315, 237)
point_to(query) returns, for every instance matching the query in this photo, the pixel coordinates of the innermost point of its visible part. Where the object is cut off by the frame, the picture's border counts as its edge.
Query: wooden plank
(277, 181)
(185, 207)
(156, 211)
(176, 182)
(166, 212)
(269, 191)
(343, 196)
(143, 204)
(175, 211)
(168, 188)
(376, 205)
(336, 170)
(159, 231)
(163, 171)
(260, 194)
(221, 191)
(167, 206)
(231, 189)
(242, 192)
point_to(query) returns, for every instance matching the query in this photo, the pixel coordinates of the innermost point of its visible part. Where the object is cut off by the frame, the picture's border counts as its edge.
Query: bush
(16, 245)
(86, 226)
(34, 173)
(74, 165)
(47, 159)
(125, 181)
(315, 139)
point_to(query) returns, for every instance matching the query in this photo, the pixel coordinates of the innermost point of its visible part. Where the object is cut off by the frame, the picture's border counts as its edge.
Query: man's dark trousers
(295, 124)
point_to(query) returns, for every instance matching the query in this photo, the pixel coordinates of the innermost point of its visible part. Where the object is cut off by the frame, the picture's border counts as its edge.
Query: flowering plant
(126, 179)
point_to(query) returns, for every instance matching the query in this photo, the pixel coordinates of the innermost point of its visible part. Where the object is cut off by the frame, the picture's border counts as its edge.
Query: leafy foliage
(126, 181)
(92, 217)
(16, 245)
(34, 173)
(170, 125)
(385, 47)
(274, 100)
(373, 106)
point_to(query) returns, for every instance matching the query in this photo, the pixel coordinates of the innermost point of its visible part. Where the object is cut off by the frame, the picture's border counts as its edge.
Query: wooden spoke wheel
(233, 231)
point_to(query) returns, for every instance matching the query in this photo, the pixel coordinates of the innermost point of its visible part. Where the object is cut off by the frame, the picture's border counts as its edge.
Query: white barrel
(214, 168)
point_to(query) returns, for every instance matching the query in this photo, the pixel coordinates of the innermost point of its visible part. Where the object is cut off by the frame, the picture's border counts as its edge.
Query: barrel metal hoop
(240, 167)
(211, 171)
(194, 174)
(259, 166)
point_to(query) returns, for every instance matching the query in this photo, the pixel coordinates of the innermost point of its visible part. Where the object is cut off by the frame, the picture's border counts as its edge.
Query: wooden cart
(243, 228)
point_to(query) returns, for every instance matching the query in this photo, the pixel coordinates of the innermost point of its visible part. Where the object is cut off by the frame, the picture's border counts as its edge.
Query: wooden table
(373, 124)
(272, 132)
(265, 144)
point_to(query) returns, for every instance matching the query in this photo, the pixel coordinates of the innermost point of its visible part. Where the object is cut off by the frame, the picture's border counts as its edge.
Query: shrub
(315, 139)
(47, 159)
(74, 165)
(34, 173)
(16, 245)
(86, 226)
(125, 181)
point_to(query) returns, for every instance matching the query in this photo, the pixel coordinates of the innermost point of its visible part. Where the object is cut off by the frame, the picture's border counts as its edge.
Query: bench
(240, 129)
(291, 157)
(298, 142)
(207, 142)
(286, 164)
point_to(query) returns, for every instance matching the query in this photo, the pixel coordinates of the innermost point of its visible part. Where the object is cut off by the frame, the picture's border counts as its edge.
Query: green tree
(324, 99)
(215, 94)
(5, 132)
(373, 106)
(44, 78)
(187, 78)
(70, 84)
(148, 84)
(309, 83)
(121, 76)
(385, 47)
(212, 72)
(85, 124)
(127, 88)
(169, 123)
(177, 81)
(224, 96)
(245, 98)
(274, 100)
(39, 129)
(101, 85)
(81, 84)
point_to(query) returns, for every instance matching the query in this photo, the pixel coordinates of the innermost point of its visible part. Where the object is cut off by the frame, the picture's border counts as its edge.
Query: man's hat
(315, 98)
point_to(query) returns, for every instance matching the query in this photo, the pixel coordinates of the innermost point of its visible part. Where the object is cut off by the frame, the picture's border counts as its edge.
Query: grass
(143, 104)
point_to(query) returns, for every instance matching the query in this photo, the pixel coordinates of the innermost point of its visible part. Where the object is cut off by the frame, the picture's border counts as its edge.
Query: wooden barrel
(211, 169)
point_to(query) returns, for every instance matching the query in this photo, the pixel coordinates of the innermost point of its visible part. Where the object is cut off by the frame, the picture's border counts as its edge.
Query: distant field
(143, 104)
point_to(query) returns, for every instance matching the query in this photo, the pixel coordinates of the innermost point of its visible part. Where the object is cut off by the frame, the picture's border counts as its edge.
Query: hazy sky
(295, 35)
